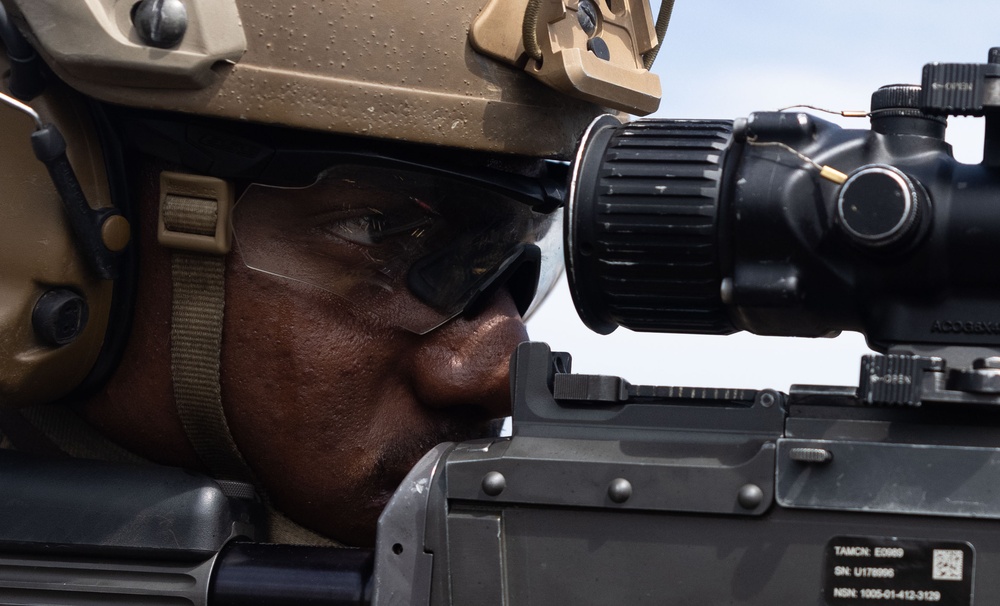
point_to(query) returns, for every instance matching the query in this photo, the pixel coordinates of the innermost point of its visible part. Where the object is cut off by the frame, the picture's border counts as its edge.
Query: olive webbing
(195, 343)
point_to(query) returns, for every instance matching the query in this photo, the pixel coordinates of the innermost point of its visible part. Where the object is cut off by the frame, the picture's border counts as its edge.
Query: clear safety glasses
(409, 246)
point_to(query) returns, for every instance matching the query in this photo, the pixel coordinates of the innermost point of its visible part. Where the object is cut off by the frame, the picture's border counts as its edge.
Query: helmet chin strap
(195, 222)
(195, 343)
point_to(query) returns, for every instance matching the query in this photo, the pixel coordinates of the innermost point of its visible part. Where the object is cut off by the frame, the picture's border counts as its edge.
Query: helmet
(397, 70)
(100, 70)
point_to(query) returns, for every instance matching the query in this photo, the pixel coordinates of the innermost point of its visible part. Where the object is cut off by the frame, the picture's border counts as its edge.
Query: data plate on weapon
(885, 570)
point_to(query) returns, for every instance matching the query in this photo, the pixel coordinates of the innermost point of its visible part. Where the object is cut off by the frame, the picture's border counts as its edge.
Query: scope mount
(908, 377)
(967, 89)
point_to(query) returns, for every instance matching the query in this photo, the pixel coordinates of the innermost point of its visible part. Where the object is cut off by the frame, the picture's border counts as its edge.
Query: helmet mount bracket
(590, 49)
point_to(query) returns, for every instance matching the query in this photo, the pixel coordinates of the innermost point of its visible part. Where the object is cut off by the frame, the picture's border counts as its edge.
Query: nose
(466, 361)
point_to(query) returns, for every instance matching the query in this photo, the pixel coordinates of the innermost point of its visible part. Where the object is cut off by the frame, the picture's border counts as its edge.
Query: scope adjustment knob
(897, 97)
(896, 110)
(879, 207)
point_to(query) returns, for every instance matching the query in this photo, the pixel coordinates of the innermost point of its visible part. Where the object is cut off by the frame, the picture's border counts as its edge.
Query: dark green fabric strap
(195, 343)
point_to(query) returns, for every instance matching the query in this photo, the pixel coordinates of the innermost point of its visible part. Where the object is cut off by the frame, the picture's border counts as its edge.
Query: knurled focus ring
(644, 233)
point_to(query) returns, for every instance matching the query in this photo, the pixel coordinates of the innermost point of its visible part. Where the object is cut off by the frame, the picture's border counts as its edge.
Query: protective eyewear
(413, 249)
(411, 235)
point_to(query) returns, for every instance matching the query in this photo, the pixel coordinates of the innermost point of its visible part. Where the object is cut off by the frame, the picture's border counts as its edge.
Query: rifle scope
(786, 224)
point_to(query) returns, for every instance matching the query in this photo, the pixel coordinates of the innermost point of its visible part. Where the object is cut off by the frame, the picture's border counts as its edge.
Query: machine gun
(612, 493)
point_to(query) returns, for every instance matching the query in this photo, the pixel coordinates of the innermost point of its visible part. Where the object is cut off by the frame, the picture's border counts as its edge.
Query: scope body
(707, 226)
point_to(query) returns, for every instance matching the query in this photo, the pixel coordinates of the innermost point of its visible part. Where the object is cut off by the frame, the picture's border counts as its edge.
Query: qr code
(948, 565)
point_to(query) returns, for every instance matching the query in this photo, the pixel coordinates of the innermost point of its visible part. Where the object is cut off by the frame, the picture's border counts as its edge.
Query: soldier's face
(329, 405)
(331, 408)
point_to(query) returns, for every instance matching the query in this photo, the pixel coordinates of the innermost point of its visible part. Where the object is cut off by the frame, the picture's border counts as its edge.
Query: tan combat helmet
(399, 70)
(508, 76)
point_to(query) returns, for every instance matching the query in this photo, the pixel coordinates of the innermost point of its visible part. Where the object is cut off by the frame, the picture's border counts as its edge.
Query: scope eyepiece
(642, 228)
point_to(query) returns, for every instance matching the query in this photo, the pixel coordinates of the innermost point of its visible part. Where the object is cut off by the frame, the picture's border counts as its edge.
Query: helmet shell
(398, 69)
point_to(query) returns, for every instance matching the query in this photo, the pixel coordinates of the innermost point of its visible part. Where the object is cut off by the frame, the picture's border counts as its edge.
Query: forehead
(245, 152)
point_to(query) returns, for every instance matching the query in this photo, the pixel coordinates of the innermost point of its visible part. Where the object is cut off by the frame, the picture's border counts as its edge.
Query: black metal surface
(409, 561)
(896, 97)
(737, 416)
(913, 479)
(584, 473)
(894, 379)
(251, 574)
(584, 557)
(956, 89)
(983, 377)
(94, 577)
(476, 554)
(601, 497)
(895, 109)
(146, 511)
(86, 222)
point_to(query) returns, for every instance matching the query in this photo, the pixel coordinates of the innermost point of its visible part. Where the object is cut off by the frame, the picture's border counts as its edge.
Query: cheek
(331, 409)
(302, 385)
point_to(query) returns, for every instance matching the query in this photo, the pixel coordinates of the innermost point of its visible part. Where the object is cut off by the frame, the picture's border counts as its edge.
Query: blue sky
(727, 58)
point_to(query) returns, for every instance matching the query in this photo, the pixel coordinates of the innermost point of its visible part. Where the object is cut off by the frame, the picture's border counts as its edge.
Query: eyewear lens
(410, 248)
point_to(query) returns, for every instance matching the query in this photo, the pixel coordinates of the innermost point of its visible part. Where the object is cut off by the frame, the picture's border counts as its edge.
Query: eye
(373, 227)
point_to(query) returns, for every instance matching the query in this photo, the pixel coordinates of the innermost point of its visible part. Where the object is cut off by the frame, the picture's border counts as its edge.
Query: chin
(391, 468)
(397, 459)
